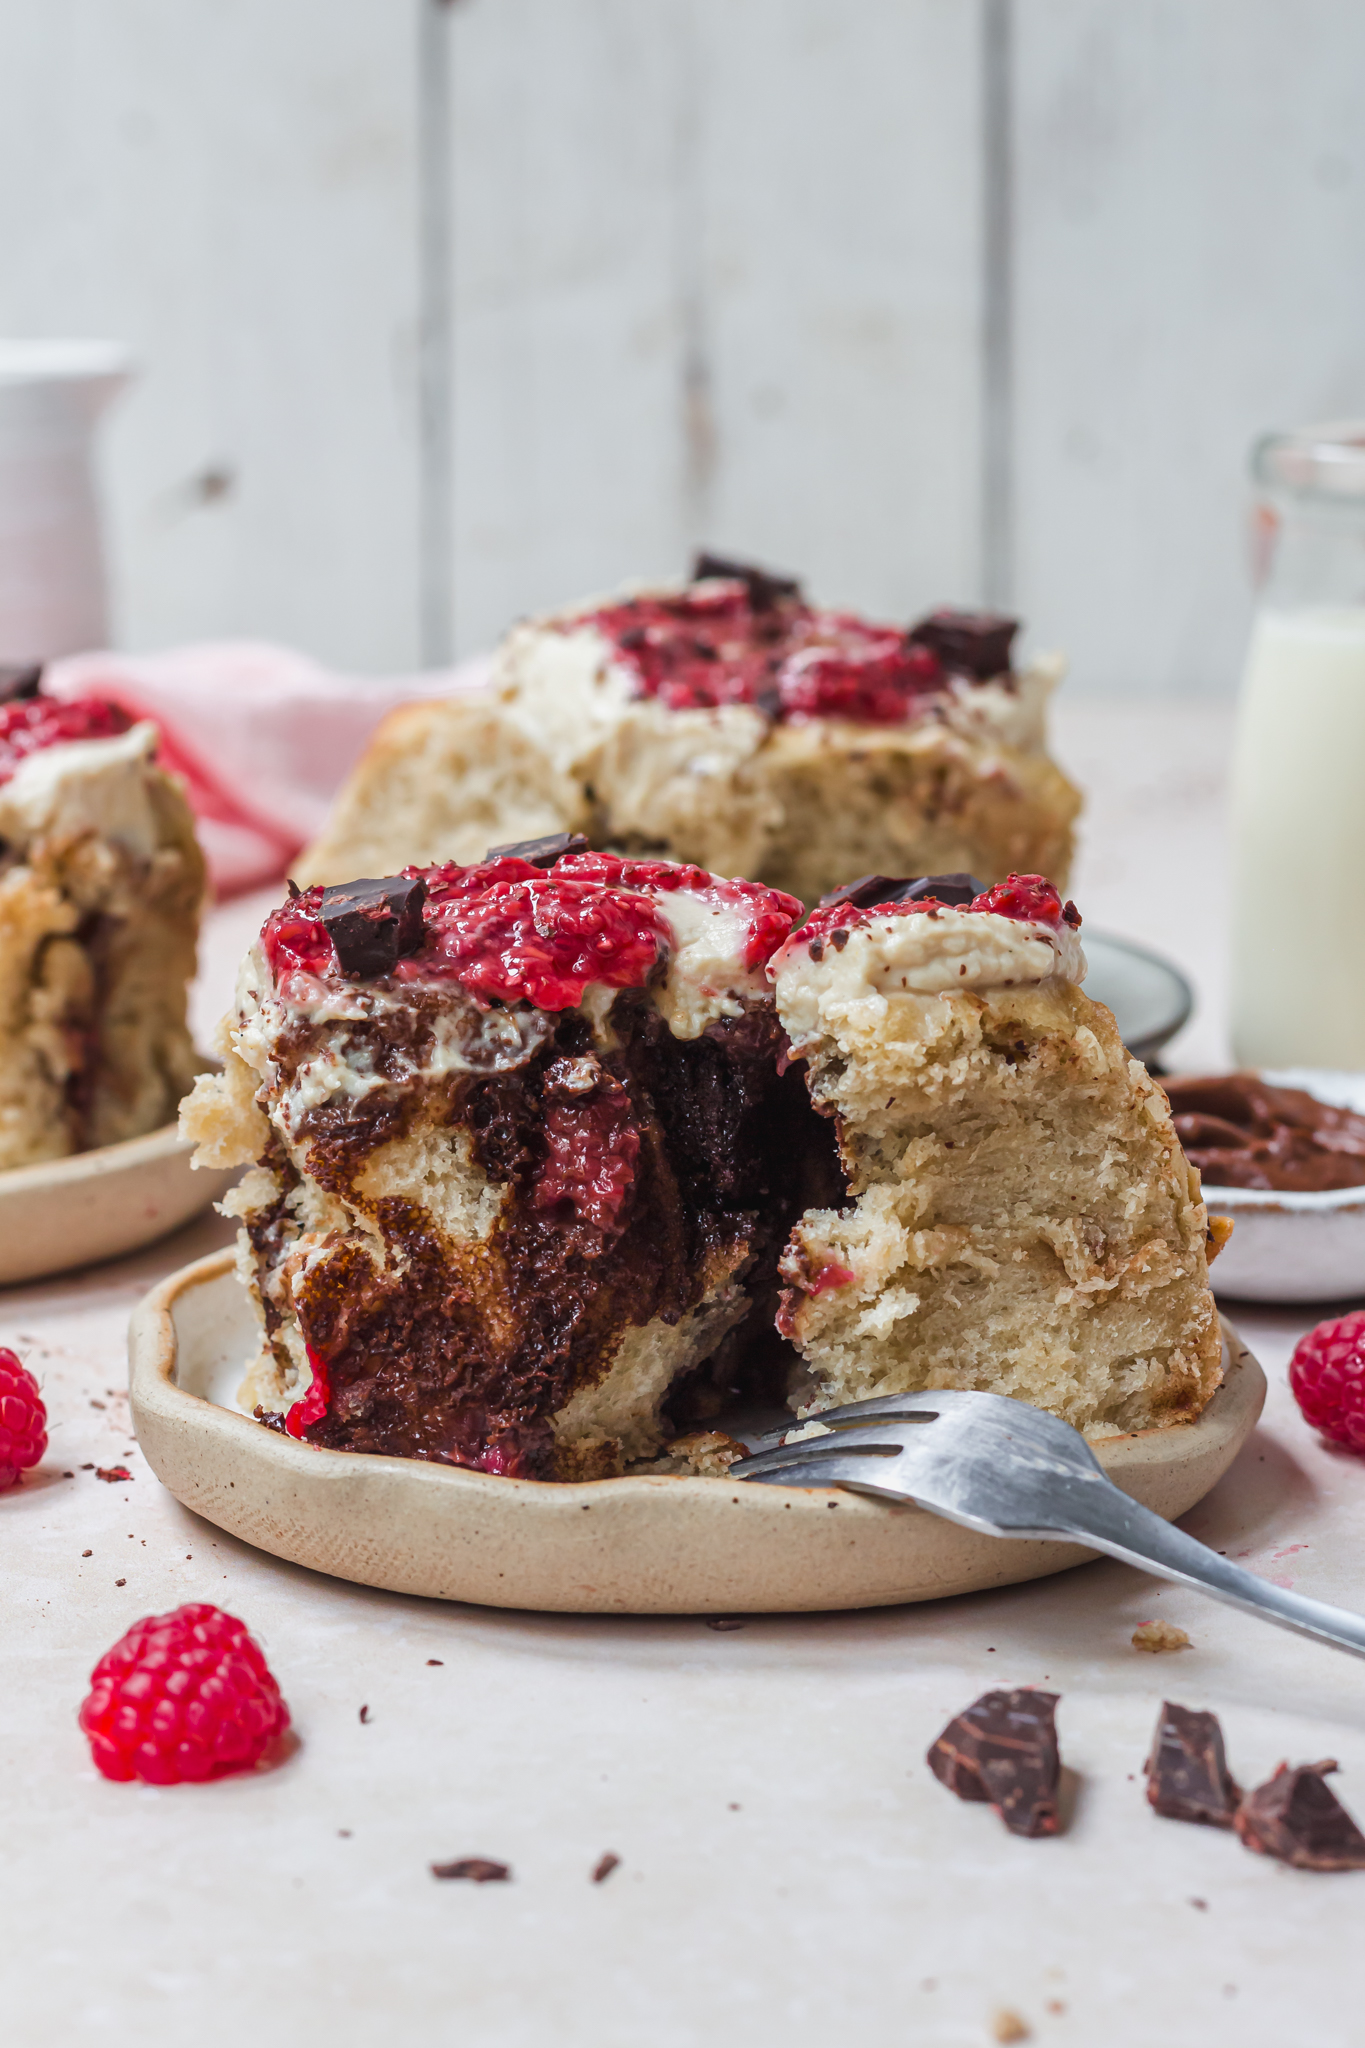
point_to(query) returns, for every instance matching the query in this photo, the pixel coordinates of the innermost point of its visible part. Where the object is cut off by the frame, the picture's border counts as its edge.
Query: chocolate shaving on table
(1297, 1817)
(975, 644)
(1003, 1749)
(765, 589)
(1187, 1772)
(17, 683)
(870, 890)
(478, 1869)
(541, 853)
(374, 922)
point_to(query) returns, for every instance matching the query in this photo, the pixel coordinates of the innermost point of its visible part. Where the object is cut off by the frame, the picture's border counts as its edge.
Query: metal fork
(1007, 1469)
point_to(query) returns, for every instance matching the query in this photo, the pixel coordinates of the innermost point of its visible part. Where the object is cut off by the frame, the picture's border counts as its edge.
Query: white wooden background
(451, 310)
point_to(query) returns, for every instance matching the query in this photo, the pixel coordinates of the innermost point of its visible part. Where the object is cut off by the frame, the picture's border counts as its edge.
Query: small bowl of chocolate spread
(1282, 1154)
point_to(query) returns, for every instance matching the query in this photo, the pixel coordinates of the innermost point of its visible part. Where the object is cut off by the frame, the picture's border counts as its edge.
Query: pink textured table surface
(790, 1872)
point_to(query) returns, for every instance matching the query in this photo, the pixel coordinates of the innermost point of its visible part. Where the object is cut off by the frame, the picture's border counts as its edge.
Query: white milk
(1298, 842)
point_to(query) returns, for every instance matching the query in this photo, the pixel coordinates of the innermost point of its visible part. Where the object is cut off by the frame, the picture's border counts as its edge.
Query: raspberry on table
(1327, 1375)
(181, 1698)
(23, 1419)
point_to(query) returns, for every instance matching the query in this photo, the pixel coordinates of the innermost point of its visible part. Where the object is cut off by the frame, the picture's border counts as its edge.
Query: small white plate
(1287, 1247)
(647, 1545)
(1150, 998)
(98, 1205)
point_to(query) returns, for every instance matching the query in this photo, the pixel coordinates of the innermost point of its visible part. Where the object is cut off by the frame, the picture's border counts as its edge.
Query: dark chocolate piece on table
(1187, 1772)
(1297, 1817)
(479, 1869)
(975, 644)
(870, 890)
(17, 683)
(1003, 1749)
(765, 590)
(372, 923)
(541, 853)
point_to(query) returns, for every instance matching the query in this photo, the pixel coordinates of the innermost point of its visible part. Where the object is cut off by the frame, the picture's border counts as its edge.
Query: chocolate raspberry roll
(101, 882)
(524, 1150)
(729, 722)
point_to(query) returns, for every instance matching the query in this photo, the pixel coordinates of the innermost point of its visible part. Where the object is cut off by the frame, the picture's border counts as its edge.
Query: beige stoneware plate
(99, 1205)
(616, 1546)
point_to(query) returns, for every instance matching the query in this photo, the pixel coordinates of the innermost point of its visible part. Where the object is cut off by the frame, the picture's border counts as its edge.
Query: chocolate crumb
(436, 1660)
(364, 1715)
(1187, 1772)
(87, 1468)
(112, 1473)
(541, 853)
(1200, 1905)
(68, 1475)
(98, 1404)
(120, 1582)
(1296, 1817)
(604, 1867)
(87, 1553)
(1003, 1749)
(345, 1834)
(478, 1869)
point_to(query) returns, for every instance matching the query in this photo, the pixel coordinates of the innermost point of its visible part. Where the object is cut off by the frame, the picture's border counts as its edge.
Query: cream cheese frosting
(75, 786)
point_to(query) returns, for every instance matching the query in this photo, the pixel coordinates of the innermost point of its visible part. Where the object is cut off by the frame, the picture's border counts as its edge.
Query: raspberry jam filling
(712, 644)
(1028, 899)
(34, 723)
(508, 932)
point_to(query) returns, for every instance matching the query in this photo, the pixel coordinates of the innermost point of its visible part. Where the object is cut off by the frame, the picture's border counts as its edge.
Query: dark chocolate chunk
(870, 890)
(374, 922)
(1187, 1772)
(1297, 1817)
(765, 590)
(1003, 1749)
(541, 853)
(479, 1869)
(975, 644)
(18, 683)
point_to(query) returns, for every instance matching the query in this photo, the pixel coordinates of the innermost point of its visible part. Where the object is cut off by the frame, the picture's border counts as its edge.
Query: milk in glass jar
(1298, 807)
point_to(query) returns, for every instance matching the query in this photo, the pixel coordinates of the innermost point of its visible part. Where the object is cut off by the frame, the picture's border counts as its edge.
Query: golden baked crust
(802, 807)
(1023, 1219)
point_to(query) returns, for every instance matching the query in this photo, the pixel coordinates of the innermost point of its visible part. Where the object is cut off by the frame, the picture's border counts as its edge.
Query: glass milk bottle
(1298, 784)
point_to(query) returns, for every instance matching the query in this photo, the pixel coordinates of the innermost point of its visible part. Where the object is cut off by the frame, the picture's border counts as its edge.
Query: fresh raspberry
(181, 1698)
(1327, 1374)
(23, 1420)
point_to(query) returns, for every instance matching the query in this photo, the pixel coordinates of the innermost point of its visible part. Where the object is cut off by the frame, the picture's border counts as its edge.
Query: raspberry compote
(711, 644)
(508, 932)
(34, 723)
(1028, 899)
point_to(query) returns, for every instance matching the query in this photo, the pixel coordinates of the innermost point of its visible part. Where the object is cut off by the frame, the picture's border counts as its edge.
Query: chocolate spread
(1242, 1133)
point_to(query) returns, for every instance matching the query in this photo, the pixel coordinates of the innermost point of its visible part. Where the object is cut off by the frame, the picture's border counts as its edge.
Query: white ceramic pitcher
(52, 588)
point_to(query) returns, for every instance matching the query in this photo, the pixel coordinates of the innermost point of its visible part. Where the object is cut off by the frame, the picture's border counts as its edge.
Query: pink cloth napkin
(263, 737)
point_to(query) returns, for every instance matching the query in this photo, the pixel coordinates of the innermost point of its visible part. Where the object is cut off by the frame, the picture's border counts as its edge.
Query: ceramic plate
(1149, 997)
(1294, 1247)
(644, 1545)
(98, 1205)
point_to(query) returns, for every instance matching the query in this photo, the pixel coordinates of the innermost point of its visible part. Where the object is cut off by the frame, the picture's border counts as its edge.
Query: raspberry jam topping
(712, 644)
(509, 932)
(37, 722)
(1029, 899)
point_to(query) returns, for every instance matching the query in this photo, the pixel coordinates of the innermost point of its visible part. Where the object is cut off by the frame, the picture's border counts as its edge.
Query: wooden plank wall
(450, 311)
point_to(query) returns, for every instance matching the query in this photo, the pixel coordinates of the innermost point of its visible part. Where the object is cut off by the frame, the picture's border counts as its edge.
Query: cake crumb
(1008, 2026)
(1159, 1635)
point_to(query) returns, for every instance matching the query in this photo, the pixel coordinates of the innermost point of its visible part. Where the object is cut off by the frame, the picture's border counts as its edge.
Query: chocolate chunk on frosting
(17, 684)
(1187, 1772)
(868, 891)
(1003, 1749)
(765, 590)
(541, 853)
(372, 923)
(975, 644)
(1296, 1817)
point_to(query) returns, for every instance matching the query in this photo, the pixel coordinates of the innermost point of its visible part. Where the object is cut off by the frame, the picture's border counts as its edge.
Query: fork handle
(1108, 1520)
